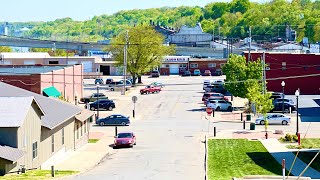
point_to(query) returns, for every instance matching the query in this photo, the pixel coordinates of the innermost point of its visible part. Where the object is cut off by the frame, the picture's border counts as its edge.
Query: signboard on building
(176, 58)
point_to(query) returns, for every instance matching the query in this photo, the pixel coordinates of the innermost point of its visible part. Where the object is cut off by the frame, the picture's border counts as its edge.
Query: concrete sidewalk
(279, 152)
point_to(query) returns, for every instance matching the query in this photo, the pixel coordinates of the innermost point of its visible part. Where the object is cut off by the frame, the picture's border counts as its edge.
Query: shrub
(295, 138)
(288, 137)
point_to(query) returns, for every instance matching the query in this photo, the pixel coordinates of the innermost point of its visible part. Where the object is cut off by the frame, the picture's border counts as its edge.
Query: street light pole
(283, 84)
(97, 102)
(297, 93)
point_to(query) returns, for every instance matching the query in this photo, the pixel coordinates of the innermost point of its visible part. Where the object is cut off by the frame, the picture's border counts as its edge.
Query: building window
(212, 65)
(221, 65)
(193, 65)
(183, 65)
(52, 143)
(77, 131)
(284, 65)
(34, 150)
(85, 126)
(62, 131)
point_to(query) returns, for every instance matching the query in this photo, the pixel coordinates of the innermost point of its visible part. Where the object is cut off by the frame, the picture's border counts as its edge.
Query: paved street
(170, 128)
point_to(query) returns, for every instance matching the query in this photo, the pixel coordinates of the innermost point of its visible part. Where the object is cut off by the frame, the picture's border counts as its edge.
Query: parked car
(155, 74)
(109, 80)
(274, 118)
(128, 82)
(207, 73)
(115, 120)
(196, 72)
(208, 95)
(276, 95)
(286, 106)
(124, 139)
(150, 89)
(103, 104)
(118, 86)
(93, 97)
(186, 73)
(206, 83)
(216, 87)
(280, 100)
(214, 98)
(98, 81)
(157, 84)
(219, 105)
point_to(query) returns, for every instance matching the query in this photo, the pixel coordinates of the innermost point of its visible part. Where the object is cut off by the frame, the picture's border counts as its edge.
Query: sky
(45, 10)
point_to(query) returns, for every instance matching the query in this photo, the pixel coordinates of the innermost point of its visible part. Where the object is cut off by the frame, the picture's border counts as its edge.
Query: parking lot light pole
(297, 93)
(98, 101)
(283, 84)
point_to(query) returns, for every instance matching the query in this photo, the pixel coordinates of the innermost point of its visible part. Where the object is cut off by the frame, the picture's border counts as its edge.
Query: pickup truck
(93, 97)
(150, 89)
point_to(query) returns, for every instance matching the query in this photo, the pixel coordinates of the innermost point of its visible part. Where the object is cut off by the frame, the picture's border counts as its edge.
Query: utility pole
(249, 56)
(125, 64)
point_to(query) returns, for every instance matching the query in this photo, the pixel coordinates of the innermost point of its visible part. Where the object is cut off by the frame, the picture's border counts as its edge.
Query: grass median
(37, 174)
(229, 158)
(307, 143)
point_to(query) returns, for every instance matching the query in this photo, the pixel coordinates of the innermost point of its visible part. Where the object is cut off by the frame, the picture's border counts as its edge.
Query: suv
(103, 104)
(98, 81)
(216, 87)
(93, 97)
(117, 85)
(219, 105)
(276, 95)
(155, 74)
(109, 80)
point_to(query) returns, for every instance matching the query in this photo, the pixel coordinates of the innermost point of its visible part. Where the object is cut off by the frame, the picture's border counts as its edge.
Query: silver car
(274, 118)
(219, 105)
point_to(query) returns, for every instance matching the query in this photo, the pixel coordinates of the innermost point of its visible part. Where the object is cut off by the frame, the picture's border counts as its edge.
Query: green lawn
(93, 140)
(229, 158)
(307, 143)
(36, 174)
(307, 157)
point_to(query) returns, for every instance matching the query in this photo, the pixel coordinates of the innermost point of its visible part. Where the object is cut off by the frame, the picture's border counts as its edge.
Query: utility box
(252, 126)
(248, 117)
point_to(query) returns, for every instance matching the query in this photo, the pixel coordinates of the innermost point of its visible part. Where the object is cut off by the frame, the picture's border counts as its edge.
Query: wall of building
(29, 133)
(204, 65)
(81, 133)
(283, 65)
(27, 82)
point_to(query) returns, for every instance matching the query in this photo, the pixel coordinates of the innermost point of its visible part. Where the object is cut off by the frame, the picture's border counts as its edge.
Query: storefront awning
(51, 92)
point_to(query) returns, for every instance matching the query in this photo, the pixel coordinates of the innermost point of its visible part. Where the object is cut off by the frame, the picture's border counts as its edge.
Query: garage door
(87, 66)
(174, 69)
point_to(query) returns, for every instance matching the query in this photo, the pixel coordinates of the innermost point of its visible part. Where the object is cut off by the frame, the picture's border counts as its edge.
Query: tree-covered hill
(267, 20)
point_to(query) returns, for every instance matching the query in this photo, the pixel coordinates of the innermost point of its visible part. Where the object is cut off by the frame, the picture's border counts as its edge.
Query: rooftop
(29, 69)
(16, 55)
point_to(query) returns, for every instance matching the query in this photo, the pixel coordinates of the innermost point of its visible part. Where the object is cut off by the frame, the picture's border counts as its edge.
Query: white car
(219, 104)
(274, 118)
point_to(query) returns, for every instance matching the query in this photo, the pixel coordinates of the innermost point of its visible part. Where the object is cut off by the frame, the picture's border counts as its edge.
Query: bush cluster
(289, 138)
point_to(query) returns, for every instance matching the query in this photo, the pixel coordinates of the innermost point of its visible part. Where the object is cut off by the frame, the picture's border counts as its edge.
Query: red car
(150, 89)
(124, 139)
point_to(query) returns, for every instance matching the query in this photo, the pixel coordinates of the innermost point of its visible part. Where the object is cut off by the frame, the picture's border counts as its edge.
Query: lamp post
(297, 93)
(97, 101)
(283, 84)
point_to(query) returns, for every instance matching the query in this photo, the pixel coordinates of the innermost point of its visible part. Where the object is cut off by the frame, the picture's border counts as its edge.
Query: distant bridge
(36, 43)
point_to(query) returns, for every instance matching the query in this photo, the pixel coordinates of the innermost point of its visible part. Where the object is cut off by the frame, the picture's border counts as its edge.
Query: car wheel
(218, 108)
(110, 108)
(229, 108)
(92, 109)
(135, 143)
(284, 122)
(262, 122)
(111, 89)
(101, 123)
(123, 123)
(131, 146)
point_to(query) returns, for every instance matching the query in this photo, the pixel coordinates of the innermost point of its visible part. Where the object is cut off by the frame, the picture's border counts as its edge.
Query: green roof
(51, 92)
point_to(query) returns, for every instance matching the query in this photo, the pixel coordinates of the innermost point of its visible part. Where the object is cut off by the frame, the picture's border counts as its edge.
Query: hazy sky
(44, 10)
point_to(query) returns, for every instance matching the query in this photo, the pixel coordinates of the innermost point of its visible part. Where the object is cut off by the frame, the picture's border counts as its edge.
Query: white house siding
(46, 149)
(81, 137)
(29, 133)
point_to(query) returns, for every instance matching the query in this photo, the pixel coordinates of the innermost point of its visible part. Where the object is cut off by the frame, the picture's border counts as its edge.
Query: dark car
(108, 81)
(286, 106)
(103, 104)
(186, 73)
(218, 72)
(155, 74)
(124, 139)
(277, 95)
(114, 120)
(216, 87)
(98, 81)
(280, 100)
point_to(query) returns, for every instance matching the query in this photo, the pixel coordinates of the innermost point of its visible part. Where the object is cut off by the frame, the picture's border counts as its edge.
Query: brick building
(298, 71)
(206, 64)
(66, 79)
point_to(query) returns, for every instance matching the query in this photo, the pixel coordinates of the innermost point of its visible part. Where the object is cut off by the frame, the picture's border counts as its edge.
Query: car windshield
(125, 135)
(215, 94)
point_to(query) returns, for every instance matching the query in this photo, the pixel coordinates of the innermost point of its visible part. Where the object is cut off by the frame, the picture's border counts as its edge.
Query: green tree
(145, 50)
(56, 52)
(239, 6)
(240, 75)
(5, 49)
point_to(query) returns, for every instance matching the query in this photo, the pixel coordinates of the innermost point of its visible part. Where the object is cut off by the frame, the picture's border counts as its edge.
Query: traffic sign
(134, 99)
(209, 110)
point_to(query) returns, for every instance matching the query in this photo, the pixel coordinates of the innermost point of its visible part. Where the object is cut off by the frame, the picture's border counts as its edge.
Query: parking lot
(170, 129)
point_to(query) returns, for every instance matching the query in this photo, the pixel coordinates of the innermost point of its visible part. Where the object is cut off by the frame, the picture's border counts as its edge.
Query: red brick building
(298, 71)
(66, 79)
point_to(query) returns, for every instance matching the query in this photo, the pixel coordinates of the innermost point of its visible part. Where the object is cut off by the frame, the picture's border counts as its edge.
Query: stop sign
(209, 110)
